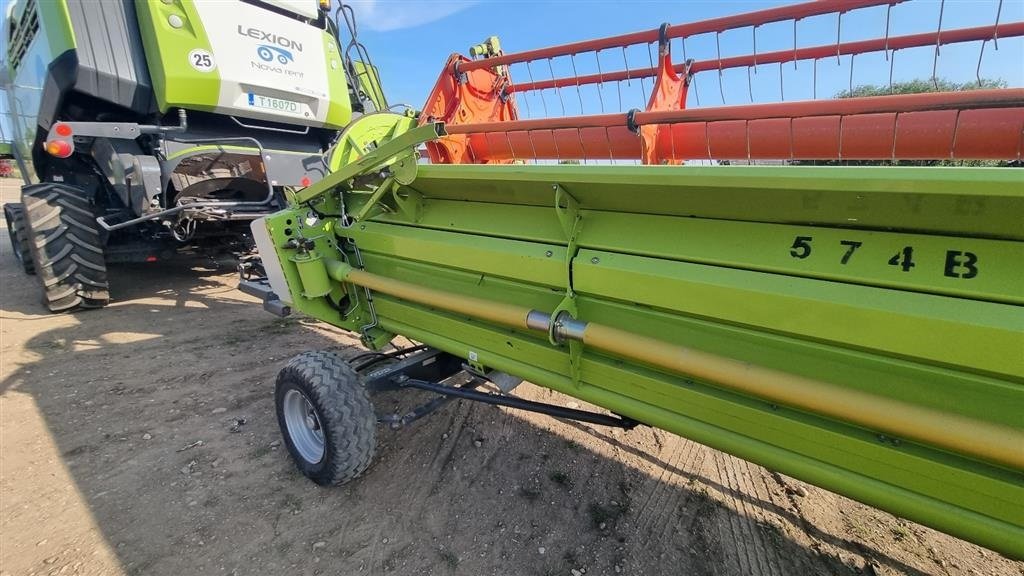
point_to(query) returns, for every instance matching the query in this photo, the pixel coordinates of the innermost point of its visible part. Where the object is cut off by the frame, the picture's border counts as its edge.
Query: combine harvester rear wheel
(858, 327)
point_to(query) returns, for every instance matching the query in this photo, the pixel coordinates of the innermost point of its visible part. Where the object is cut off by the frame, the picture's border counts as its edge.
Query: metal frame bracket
(386, 186)
(373, 160)
(425, 369)
(409, 201)
(572, 221)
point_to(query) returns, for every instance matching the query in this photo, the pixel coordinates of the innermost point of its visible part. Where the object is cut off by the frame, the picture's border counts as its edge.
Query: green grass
(900, 532)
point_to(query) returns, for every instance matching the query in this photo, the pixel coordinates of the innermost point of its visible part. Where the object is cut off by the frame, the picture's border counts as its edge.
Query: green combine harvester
(144, 129)
(859, 328)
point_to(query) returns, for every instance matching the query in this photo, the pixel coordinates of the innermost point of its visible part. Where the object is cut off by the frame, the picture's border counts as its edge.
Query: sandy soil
(141, 439)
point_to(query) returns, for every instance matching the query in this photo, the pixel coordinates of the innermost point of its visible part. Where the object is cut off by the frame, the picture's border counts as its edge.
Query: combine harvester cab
(858, 327)
(144, 129)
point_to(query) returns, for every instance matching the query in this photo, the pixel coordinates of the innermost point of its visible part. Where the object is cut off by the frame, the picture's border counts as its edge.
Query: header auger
(857, 327)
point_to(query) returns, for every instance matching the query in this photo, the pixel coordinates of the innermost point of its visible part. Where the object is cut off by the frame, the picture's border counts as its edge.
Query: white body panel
(307, 8)
(271, 67)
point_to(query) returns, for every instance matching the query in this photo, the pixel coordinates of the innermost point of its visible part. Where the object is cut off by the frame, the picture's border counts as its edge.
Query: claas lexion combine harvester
(857, 327)
(148, 129)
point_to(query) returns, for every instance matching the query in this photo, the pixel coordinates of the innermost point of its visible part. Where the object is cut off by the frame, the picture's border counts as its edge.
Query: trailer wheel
(66, 248)
(326, 418)
(14, 214)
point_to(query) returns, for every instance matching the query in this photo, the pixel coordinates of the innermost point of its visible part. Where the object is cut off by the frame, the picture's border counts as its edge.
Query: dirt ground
(141, 439)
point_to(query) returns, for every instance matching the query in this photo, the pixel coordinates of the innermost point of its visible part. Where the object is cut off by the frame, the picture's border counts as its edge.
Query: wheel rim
(304, 429)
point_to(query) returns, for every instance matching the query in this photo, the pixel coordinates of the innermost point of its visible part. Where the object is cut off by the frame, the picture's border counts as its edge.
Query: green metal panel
(952, 201)
(803, 270)
(982, 336)
(843, 255)
(541, 264)
(853, 256)
(175, 83)
(339, 110)
(56, 22)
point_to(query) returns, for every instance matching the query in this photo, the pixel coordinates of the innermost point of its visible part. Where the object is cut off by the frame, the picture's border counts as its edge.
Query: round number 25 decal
(202, 60)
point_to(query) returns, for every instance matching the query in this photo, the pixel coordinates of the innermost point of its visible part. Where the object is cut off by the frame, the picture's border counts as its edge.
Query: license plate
(275, 104)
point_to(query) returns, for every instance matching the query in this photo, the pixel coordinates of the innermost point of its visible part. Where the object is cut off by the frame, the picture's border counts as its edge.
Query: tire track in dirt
(675, 511)
(685, 455)
(776, 510)
(738, 490)
(728, 559)
(738, 552)
(654, 486)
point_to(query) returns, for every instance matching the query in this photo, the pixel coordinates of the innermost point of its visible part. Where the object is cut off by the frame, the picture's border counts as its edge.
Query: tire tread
(65, 246)
(347, 415)
(14, 214)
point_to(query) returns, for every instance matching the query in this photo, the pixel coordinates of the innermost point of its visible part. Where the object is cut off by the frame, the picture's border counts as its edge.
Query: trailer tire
(66, 246)
(14, 214)
(326, 418)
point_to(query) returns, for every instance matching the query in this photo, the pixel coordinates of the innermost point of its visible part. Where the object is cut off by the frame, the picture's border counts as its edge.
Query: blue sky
(410, 41)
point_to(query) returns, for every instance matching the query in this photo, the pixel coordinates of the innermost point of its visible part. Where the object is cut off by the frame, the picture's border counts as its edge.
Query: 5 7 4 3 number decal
(957, 263)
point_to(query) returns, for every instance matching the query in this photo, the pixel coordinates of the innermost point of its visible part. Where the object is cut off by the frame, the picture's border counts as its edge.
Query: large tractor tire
(14, 214)
(326, 418)
(66, 247)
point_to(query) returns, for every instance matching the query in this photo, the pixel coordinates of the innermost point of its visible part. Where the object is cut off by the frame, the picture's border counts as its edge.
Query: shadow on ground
(161, 409)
